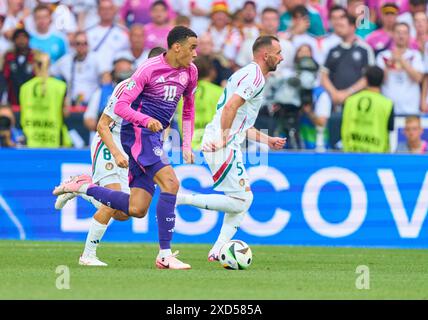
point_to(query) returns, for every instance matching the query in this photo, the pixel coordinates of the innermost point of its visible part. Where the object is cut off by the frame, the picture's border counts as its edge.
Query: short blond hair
(413, 118)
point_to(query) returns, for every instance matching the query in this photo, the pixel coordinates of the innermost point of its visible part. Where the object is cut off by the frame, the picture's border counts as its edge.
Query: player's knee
(175, 186)
(104, 213)
(242, 201)
(138, 212)
(120, 216)
(248, 200)
(171, 185)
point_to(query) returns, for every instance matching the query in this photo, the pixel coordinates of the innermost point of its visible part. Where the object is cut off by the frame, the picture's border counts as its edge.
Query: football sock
(166, 218)
(84, 187)
(95, 234)
(114, 199)
(163, 253)
(217, 202)
(231, 223)
(91, 200)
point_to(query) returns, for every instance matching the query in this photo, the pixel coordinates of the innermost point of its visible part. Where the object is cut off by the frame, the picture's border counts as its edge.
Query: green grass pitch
(27, 271)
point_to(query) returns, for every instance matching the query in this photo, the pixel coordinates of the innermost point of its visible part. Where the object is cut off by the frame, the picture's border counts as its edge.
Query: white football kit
(104, 168)
(226, 164)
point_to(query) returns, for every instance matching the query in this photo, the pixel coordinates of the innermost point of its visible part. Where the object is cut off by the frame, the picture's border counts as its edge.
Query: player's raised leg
(111, 198)
(62, 200)
(82, 184)
(135, 204)
(234, 205)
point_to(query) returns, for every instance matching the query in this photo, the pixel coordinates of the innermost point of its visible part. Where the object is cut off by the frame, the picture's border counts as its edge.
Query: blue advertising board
(299, 199)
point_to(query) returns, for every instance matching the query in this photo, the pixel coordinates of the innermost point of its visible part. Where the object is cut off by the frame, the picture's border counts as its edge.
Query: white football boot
(171, 262)
(62, 199)
(91, 261)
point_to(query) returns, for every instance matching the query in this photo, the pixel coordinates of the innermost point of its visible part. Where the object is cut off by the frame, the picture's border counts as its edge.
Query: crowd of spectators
(327, 45)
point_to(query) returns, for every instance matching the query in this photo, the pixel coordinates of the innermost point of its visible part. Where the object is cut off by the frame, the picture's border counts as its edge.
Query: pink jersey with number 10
(154, 91)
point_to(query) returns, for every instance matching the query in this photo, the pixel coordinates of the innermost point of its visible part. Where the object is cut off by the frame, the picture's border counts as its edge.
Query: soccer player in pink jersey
(147, 105)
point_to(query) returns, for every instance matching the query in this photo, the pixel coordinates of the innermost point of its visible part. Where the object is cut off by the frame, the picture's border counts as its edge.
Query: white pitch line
(12, 217)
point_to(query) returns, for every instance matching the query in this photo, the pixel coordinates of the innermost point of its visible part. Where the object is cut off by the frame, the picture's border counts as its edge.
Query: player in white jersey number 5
(236, 114)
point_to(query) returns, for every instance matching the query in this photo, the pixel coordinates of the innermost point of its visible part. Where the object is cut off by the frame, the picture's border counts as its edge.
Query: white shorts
(228, 170)
(104, 168)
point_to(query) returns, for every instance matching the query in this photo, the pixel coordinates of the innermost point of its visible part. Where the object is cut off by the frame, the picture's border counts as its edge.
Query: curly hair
(179, 34)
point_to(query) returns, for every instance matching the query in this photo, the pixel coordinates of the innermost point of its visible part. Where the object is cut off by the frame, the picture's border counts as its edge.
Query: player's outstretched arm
(128, 94)
(188, 121)
(103, 129)
(274, 143)
(227, 116)
(188, 115)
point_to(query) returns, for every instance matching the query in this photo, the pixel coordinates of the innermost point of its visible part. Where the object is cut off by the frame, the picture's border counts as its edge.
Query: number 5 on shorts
(240, 169)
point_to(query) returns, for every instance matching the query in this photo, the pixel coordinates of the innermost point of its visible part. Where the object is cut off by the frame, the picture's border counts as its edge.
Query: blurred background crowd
(351, 68)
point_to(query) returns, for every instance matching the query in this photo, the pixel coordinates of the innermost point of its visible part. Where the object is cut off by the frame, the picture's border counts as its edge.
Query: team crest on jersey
(183, 78)
(109, 166)
(242, 182)
(158, 151)
(336, 54)
(356, 56)
(131, 85)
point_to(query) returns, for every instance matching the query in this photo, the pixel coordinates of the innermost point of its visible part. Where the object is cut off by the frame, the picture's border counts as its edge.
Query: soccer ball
(235, 255)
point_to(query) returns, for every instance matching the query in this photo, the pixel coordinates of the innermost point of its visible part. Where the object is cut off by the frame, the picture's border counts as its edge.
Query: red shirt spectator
(18, 65)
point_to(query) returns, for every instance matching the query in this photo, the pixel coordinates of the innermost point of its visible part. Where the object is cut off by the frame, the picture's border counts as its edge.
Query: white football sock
(183, 198)
(95, 234)
(83, 188)
(232, 203)
(163, 253)
(231, 223)
(92, 200)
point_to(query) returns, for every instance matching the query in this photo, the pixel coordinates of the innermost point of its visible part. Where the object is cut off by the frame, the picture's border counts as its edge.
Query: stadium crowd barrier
(299, 199)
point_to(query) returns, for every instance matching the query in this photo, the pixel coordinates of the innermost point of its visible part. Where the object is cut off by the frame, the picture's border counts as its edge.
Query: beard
(272, 65)
(248, 20)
